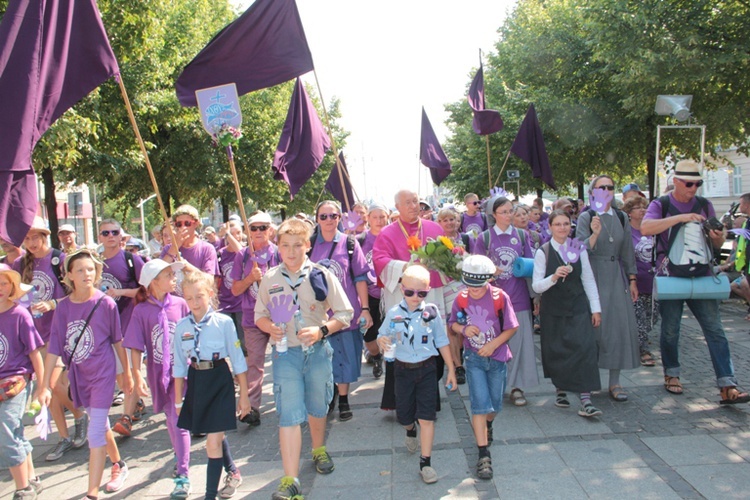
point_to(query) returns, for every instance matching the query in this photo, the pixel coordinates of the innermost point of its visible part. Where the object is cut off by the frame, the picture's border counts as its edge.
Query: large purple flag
(263, 47)
(303, 142)
(431, 153)
(486, 121)
(52, 54)
(333, 184)
(529, 146)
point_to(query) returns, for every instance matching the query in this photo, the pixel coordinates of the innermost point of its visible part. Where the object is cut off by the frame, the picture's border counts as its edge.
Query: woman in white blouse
(569, 312)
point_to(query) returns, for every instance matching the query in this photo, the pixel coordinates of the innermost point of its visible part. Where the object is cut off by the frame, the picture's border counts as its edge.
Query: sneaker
(59, 450)
(123, 426)
(460, 375)
(181, 487)
(323, 462)
(345, 412)
(36, 483)
(412, 443)
(377, 366)
(140, 411)
(252, 419)
(289, 489)
(25, 494)
(231, 483)
(80, 436)
(588, 410)
(118, 399)
(117, 478)
(429, 475)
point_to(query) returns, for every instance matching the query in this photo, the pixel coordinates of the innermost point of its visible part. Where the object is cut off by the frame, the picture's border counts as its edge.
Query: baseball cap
(152, 268)
(632, 187)
(66, 227)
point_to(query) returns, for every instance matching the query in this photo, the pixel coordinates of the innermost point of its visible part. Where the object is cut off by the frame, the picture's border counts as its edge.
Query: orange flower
(413, 242)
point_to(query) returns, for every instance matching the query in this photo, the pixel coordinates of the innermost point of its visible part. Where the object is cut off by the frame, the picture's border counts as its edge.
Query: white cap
(66, 227)
(260, 218)
(152, 268)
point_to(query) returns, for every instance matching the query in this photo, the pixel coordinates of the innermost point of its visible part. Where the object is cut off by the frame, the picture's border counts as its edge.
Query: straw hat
(687, 170)
(39, 226)
(20, 289)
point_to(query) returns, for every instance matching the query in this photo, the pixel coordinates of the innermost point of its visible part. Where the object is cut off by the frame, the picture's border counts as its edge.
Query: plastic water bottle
(390, 353)
(299, 323)
(461, 317)
(281, 345)
(35, 300)
(34, 409)
(362, 326)
(449, 387)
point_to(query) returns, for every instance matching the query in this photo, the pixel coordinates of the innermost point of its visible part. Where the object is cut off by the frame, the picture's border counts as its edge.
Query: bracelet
(54, 301)
(178, 405)
(365, 309)
(633, 279)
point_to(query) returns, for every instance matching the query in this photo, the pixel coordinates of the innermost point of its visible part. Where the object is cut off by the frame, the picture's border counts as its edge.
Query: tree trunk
(50, 202)
(283, 213)
(651, 169)
(580, 191)
(539, 192)
(224, 210)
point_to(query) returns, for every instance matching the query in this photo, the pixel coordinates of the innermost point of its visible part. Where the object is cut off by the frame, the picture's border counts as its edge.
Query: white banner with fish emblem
(219, 106)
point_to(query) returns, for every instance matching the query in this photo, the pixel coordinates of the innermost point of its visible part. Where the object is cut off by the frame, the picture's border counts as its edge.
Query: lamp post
(143, 219)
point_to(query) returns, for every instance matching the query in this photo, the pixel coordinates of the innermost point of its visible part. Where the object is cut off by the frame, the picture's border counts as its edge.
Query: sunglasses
(608, 187)
(326, 216)
(180, 224)
(691, 184)
(410, 293)
(476, 203)
(114, 232)
(258, 228)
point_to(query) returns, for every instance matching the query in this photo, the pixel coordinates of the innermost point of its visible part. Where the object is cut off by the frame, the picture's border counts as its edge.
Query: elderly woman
(646, 307)
(608, 238)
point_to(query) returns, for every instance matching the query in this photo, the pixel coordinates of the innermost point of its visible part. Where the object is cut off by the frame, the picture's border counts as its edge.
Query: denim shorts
(13, 445)
(302, 383)
(486, 379)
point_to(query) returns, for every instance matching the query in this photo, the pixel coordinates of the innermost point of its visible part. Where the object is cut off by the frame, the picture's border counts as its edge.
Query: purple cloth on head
(303, 143)
(263, 47)
(47, 287)
(92, 374)
(431, 153)
(333, 185)
(228, 302)
(116, 274)
(529, 146)
(244, 266)
(18, 339)
(52, 54)
(486, 121)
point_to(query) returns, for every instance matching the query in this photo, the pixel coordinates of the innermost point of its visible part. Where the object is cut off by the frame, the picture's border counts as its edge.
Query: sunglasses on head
(258, 228)
(420, 293)
(326, 216)
(691, 184)
(608, 187)
(113, 232)
(187, 223)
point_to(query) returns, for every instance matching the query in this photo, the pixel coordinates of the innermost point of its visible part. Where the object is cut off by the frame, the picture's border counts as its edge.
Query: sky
(384, 61)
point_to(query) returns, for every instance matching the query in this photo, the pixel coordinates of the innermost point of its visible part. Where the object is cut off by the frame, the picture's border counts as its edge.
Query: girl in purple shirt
(84, 330)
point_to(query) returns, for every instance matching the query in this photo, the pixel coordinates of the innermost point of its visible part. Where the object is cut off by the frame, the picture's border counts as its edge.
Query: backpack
(486, 239)
(58, 269)
(350, 238)
(688, 253)
(462, 299)
(131, 267)
(620, 215)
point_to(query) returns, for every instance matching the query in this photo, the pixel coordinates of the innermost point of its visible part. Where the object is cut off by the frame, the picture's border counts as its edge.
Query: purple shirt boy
(243, 266)
(46, 287)
(117, 274)
(473, 223)
(18, 339)
(202, 255)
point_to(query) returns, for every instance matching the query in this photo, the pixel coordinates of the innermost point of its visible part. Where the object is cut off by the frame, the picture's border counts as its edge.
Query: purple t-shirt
(46, 287)
(18, 339)
(117, 274)
(92, 368)
(643, 247)
(333, 255)
(145, 334)
(244, 266)
(654, 213)
(481, 314)
(201, 255)
(473, 223)
(218, 244)
(504, 250)
(228, 302)
(372, 288)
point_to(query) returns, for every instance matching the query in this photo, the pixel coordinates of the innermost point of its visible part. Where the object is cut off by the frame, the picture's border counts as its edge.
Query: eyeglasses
(503, 212)
(326, 216)
(608, 187)
(186, 223)
(258, 228)
(691, 184)
(113, 232)
(410, 293)
(560, 224)
(476, 203)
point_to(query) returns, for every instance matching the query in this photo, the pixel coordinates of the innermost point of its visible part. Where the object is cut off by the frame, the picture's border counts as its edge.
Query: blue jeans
(14, 447)
(707, 313)
(486, 378)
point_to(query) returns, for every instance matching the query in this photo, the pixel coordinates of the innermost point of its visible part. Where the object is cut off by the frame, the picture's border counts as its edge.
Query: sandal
(647, 359)
(731, 396)
(561, 401)
(484, 468)
(517, 397)
(673, 385)
(588, 410)
(617, 393)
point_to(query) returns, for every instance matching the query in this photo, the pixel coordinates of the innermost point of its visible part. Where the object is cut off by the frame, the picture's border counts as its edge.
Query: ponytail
(27, 268)
(141, 295)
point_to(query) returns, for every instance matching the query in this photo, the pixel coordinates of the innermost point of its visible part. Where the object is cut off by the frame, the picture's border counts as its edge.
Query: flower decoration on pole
(227, 135)
(441, 255)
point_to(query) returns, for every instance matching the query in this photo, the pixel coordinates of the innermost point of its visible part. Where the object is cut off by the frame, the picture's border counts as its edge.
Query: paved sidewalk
(655, 446)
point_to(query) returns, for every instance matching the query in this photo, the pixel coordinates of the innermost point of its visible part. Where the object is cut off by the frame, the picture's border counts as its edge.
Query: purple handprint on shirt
(282, 308)
(351, 221)
(478, 317)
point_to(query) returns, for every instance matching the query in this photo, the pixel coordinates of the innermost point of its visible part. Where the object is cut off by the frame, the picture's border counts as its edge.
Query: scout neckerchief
(300, 279)
(166, 372)
(197, 327)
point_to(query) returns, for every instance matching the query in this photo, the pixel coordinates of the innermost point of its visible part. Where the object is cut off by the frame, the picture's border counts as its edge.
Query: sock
(483, 451)
(213, 475)
(343, 400)
(412, 433)
(614, 378)
(489, 424)
(424, 462)
(319, 450)
(585, 397)
(227, 457)
(121, 463)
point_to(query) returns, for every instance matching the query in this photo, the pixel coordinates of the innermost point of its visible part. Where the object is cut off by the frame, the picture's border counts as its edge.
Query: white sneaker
(117, 479)
(429, 475)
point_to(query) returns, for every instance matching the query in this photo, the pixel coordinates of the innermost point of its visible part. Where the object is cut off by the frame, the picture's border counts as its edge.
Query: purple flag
(52, 54)
(431, 153)
(333, 184)
(486, 121)
(529, 146)
(303, 142)
(263, 47)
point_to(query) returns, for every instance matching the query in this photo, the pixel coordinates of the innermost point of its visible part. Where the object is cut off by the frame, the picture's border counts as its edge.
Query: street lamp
(676, 106)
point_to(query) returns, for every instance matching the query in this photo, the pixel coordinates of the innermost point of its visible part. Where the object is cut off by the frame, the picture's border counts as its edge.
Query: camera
(712, 223)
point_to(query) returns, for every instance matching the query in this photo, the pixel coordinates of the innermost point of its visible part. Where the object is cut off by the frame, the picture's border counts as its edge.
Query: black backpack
(693, 267)
(350, 238)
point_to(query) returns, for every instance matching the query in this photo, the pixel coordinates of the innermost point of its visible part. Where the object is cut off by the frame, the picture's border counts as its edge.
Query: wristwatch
(323, 331)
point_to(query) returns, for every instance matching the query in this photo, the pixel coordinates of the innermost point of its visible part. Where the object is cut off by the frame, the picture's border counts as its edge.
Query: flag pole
(489, 168)
(238, 192)
(501, 170)
(138, 137)
(333, 145)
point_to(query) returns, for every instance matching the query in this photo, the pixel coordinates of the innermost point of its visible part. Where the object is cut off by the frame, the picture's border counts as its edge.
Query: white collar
(499, 231)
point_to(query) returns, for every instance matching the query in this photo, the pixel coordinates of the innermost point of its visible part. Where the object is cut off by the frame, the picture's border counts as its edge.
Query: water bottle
(281, 345)
(34, 409)
(35, 300)
(299, 323)
(362, 327)
(390, 353)
(461, 317)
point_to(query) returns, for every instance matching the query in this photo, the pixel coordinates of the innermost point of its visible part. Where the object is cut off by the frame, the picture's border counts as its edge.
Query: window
(737, 180)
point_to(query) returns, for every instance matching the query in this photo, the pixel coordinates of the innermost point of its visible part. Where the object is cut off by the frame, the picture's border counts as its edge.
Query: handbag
(85, 325)
(12, 386)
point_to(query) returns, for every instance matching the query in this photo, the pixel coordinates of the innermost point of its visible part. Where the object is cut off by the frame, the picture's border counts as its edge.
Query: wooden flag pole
(238, 192)
(134, 124)
(501, 170)
(489, 168)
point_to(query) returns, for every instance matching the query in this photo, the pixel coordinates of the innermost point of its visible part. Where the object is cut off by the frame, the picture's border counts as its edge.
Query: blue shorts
(486, 379)
(416, 391)
(302, 383)
(14, 448)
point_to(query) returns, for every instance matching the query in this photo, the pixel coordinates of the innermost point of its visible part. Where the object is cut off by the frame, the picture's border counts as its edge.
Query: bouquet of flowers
(441, 255)
(227, 135)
